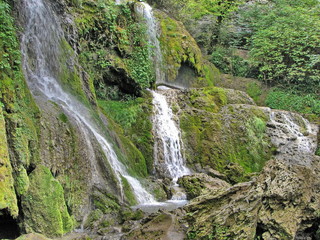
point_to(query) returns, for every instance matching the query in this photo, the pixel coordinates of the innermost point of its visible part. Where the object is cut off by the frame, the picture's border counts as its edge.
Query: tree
(285, 42)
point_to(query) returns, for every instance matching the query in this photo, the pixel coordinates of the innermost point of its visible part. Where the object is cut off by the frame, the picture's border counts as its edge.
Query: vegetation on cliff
(20, 113)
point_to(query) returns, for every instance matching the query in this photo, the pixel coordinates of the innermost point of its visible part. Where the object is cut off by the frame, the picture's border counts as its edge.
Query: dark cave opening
(9, 228)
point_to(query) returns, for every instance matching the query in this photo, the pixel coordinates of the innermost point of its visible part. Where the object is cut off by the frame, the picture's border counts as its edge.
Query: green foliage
(254, 90)
(9, 46)
(226, 61)
(293, 101)
(285, 42)
(198, 8)
(124, 113)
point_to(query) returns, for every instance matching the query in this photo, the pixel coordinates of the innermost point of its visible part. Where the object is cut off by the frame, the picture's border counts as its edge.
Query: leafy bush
(292, 101)
(226, 60)
(285, 42)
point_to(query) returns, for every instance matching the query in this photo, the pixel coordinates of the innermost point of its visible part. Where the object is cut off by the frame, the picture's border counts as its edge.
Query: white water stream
(146, 12)
(169, 141)
(40, 46)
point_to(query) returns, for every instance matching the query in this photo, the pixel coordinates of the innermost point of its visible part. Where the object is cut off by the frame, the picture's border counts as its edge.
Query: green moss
(44, 205)
(20, 111)
(63, 117)
(70, 77)
(93, 217)
(209, 99)
(8, 198)
(192, 186)
(22, 182)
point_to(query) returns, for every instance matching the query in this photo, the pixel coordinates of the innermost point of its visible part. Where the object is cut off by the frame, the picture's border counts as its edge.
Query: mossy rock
(44, 205)
(182, 56)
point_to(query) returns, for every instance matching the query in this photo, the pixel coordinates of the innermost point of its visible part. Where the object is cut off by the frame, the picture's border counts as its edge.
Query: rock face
(200, 184)
(8, 200)
(282, 203)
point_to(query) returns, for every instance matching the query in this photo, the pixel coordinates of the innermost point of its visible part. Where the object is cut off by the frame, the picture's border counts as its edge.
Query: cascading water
(145, 10)
(40, 47)
(168, 132)
(169, 141)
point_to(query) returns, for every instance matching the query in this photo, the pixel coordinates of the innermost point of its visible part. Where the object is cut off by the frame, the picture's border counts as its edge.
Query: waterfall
(145, 10)
(172, 164)
(40, 46)
(169, 159)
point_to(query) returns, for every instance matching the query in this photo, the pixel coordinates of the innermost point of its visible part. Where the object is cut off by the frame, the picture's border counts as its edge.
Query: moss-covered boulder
(222, 130)
(32, 236)
(44, 206)
(184, 64)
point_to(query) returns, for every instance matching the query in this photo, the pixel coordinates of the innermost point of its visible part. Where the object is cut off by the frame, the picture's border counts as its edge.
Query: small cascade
(168, 157)
(145, 10)
(40, 46)
(294, 137)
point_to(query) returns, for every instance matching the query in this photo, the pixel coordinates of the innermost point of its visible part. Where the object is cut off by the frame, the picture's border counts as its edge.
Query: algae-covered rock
(44, 205)
(281, 203)
(8, 200)
(184, 64)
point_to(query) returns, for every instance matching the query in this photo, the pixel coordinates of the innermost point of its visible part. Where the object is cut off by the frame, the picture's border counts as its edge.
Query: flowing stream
(41, 50)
